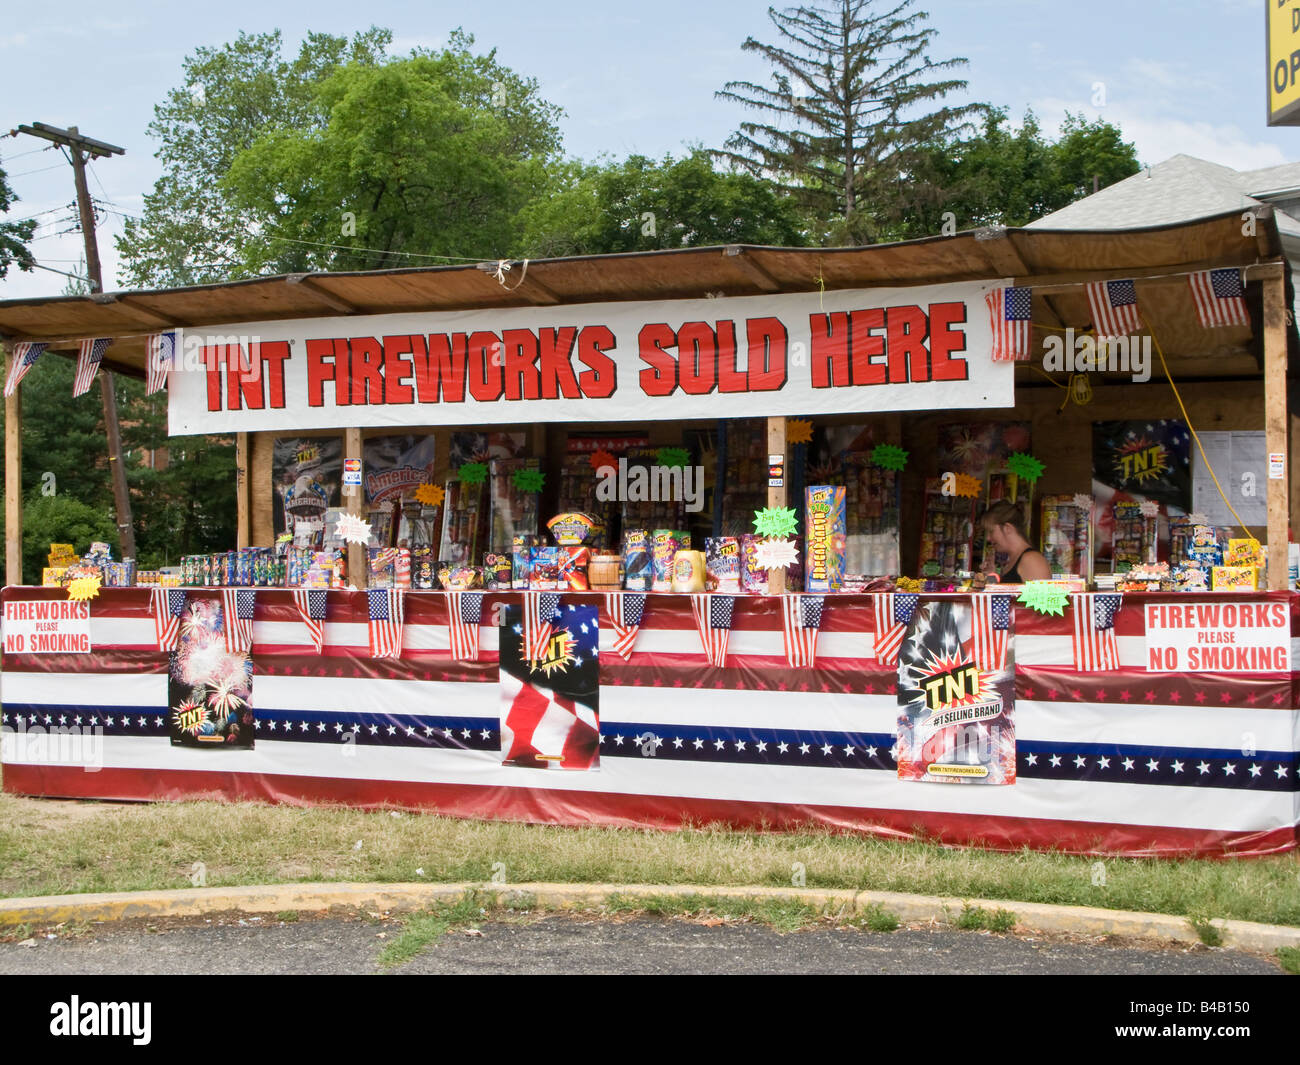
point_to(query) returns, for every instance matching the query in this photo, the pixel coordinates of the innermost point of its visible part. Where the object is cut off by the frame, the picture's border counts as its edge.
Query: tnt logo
(944, 689)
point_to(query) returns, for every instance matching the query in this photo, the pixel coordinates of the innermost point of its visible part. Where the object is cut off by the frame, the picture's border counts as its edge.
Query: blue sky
(1177, 77)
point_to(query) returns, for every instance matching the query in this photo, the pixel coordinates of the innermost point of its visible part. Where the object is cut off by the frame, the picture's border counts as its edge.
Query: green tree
(14, 236)
(60, 519)
(640, 205)
(232, 95)
(435, 155)
(845, 113)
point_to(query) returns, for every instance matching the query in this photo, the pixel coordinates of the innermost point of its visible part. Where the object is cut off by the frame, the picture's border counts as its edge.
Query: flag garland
(713, 619)
(311, 604)
(625, 610)
(24, 358)
(239, 604)
(801, 620)
(1095, 646)
(166, 605)
(1010, 321)
(1114, 308)
(159, 358)
(1219, 297)
(540, 610)
(385, 627)
(990, 626)
(464, 613)
(893, 611)
(89, 356)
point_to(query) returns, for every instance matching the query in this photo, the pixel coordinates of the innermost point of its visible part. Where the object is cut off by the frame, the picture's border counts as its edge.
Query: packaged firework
(571, 528)
(753, 577)
(637, 567)
(382, 561)
(1243, 552)
(573, 567)
(663, 549)
(723, 564)
(498, 571)
(1234, 578)
(423, 569)
(402, 568)
(545, 571)
(522, 549)
(826, 528)
(460, 578)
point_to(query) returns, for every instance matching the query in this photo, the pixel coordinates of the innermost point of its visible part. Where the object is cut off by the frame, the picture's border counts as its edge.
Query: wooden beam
(776, 497)
(243, 512)
(306, 283)
(764, 281)
(13, 481)
(1275, 419)
(997, 248)
(150, 316)
(1169, 274)
(358, 560)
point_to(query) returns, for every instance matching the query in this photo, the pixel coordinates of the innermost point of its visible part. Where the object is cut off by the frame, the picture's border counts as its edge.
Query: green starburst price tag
(528, 480)
(775, 522)
(1025, 466)
(472, 473)
(1044, 598)
(889, 457)
(672, 456)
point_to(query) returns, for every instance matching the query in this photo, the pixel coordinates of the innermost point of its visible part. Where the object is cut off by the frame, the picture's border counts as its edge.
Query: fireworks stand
(689, 536)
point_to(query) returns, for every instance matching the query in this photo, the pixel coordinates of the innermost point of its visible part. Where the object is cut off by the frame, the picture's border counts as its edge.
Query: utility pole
(80, 149)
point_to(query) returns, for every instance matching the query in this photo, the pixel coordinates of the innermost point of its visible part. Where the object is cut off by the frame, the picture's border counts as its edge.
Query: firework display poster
(209, 690)
(956, 722)
(550, 709)
(1144, 460)
(396, 466)
(306, 473)
(976, 448)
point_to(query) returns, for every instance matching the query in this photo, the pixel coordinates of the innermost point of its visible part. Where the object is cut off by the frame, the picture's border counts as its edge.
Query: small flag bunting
(385, 605)
(625, 610)
(24, 357)
(238, 605)
(89, 356)
(1095, 646)
(464, 613)
(311, 604)
(801, 620)
(713, 619)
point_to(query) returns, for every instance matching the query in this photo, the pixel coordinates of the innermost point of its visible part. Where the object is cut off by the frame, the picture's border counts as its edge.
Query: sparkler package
(637, 569)
(826, 528)
(723, 563)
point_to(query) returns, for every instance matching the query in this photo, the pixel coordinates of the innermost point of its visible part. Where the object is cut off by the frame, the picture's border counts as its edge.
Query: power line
(29, 173)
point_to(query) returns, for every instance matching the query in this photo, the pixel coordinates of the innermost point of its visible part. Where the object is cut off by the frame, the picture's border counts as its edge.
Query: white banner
(795, 354)
(1205, 636)
(46, 627)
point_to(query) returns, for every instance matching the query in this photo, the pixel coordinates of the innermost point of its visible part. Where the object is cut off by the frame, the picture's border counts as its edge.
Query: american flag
(464, 612)
(713, 616)
(166, 605)
(543, 729)
(1009, 317)
(1114, 308)
(238, 604)
(540, 609)
(1219, 297)
(893, 612)
(801, 620)
(990, 623)
(1095, 647)
(90, 355)
(385, 606)
(159, 357)
(24, 356)
(625, 610)
(311, 608)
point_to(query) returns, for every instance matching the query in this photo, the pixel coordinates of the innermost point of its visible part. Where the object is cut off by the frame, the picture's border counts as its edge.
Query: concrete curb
(1030, 916)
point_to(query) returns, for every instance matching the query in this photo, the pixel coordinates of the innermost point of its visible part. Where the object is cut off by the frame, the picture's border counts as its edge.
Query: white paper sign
(47, 627)
(1206, 635)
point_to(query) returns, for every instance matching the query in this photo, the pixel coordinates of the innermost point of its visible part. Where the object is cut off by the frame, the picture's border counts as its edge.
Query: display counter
(1107, 761)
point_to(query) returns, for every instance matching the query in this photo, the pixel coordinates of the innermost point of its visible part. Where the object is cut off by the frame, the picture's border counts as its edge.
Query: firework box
(424, 573)
(753, 577)
(1244, 552)
(825, 527)
(460, 578)
(1234, 578)
(573, 567)
(571, 528)
(522, 551)
(723, 563)
(663, 549)
(497, 572)
(54, 576)
(546, 569)
(637, 569)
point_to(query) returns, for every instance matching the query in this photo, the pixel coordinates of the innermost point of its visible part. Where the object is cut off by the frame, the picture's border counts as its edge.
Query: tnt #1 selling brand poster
(956, 724)
(209, 690)
(550, 704)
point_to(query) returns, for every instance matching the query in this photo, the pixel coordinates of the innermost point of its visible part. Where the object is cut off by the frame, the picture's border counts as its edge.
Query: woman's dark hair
(1004, 513)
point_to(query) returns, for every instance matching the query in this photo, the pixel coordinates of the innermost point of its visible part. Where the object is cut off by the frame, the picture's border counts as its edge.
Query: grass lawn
(56, 847)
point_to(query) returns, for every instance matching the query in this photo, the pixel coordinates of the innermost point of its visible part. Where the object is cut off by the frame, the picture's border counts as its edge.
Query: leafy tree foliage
(638, 204)
(14, 236)
(845, 115)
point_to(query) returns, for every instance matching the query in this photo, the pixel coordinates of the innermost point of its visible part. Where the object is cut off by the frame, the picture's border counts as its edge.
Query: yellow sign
(1283, 36)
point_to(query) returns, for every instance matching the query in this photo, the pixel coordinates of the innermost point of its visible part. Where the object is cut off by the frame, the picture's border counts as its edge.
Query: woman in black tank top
(1006, 532)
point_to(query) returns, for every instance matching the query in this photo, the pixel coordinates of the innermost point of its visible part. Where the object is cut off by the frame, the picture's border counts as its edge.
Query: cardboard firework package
(753, 577)
(663, 549)
(956, 722)
(826, 527)
(637, 569)
(723, 562)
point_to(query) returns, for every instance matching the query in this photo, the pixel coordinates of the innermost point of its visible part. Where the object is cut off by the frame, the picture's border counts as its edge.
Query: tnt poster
(209, 690)
(957, 718)
(550, 715)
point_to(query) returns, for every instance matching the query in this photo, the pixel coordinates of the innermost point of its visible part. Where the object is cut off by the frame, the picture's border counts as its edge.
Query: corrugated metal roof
(1037, 255)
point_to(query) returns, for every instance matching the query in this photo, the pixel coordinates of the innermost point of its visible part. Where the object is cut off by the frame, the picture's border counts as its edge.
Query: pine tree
(851, 86)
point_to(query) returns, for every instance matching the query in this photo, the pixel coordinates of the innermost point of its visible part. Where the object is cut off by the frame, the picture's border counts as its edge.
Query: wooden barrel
(603, 571)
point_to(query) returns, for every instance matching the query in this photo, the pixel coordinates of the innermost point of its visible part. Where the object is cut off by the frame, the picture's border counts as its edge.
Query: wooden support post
(13, 482)
(1275, 424)
(243, 512)
(358, 561)
(776, 496)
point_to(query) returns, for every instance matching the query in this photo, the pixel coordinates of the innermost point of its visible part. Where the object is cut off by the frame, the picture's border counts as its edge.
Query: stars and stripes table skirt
(1112, 762)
